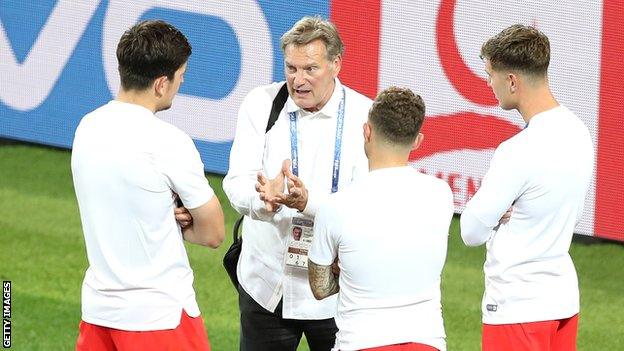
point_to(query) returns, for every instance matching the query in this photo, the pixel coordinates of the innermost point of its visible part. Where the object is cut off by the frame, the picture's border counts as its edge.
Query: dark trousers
(262, 330)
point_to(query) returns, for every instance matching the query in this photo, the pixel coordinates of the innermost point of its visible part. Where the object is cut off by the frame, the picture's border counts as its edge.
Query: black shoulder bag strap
(231, 257)
(278, 105)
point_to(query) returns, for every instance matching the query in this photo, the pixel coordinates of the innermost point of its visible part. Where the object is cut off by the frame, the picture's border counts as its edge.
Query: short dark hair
(518, 48)
(148, 50)
(397, 115)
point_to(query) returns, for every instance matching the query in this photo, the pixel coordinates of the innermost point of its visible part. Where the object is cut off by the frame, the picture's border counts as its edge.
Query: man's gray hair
(308, 29)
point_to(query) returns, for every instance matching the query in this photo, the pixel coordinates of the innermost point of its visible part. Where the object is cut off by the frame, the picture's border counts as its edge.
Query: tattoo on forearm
(322, 281)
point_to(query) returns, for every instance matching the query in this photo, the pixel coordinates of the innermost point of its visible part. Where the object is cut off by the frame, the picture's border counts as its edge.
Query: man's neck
(140, 98)
(536, 101)
(386, 159)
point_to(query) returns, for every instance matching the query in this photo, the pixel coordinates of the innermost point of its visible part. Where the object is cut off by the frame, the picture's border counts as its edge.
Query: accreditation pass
(299, 242)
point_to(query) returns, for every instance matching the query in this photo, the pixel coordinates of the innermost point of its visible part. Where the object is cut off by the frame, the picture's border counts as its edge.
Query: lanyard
(294, 151)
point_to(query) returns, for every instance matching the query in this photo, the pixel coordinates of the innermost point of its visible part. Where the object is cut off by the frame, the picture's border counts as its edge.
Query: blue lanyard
(294, 151)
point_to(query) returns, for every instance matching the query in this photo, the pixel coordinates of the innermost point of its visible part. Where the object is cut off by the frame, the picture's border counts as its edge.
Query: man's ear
(419, 139)
(367, 131)
(337, 65)
(513, 82)
(160, 85)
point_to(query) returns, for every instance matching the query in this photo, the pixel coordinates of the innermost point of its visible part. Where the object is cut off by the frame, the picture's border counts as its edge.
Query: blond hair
(309, 29)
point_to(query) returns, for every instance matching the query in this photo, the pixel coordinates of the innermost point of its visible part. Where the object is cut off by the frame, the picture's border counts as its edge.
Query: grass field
(43, 255)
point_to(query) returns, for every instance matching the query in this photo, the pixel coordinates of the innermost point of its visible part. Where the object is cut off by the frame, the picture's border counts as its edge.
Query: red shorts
(557, 335)
(408, 346)
(190, 334)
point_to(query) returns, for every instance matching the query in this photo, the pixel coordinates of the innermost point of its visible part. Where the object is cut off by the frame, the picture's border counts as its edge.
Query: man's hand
(506, 216)
(183, 216)
(269, 190)
(297, 196)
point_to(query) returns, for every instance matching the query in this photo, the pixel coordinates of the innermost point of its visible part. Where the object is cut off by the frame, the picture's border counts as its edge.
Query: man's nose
(299, 78)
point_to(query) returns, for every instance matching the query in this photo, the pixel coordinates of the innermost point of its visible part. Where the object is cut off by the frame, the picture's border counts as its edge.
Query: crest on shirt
(491, 308)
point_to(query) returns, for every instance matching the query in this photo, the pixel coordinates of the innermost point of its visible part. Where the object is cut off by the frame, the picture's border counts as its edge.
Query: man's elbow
(318, 292)
(218, 238)
(207, 234)
(209, 223)
(321, 293)
(318, 295)
(470, 240)
(215, 240)
(473, 232)
(213, 244)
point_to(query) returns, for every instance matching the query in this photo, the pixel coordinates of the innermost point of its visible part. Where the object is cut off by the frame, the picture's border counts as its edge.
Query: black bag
(230, 260)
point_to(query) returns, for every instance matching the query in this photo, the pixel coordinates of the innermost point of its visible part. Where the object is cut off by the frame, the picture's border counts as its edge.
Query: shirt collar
(139, 110)
(329, 110)
(539, 118)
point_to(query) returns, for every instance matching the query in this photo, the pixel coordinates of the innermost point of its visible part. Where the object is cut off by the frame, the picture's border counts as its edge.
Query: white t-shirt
(261, 269)
(544, 171)
(126, 163)
(390, 234)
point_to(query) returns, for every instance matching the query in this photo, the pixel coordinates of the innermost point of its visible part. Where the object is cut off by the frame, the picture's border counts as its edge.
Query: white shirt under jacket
(261, 268)
(544, 172)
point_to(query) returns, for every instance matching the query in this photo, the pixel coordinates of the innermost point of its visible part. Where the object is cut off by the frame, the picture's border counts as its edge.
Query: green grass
(43, 255)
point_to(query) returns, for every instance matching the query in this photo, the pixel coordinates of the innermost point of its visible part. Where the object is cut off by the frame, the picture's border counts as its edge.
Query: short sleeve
(183, 169)
(325, 242)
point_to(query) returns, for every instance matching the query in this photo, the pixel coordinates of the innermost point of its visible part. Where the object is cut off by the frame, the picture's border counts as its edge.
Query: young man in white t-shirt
(129, 168)
(388, 234)
(529, 203)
